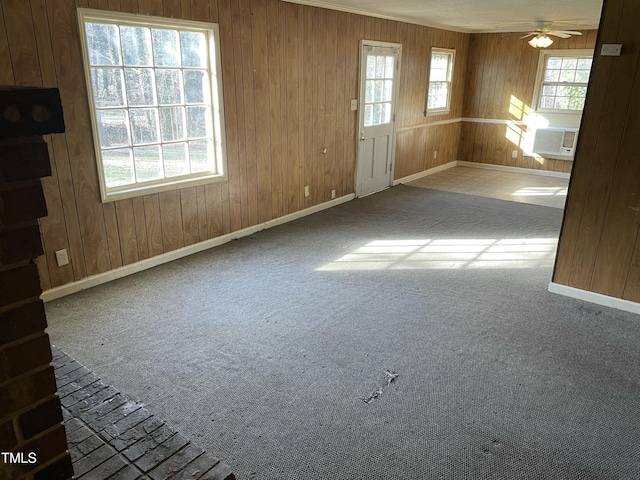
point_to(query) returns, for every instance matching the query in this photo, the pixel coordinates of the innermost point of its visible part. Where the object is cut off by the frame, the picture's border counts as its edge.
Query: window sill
(431, 113)
(139, 191)
(560, 112)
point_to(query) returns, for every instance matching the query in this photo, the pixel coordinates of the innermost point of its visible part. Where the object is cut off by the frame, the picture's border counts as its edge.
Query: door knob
(362, 137)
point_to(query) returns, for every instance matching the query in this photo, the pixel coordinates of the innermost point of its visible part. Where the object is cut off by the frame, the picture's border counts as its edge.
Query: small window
(155, 95)
(440, 78)
(563, 80)
(378, 90)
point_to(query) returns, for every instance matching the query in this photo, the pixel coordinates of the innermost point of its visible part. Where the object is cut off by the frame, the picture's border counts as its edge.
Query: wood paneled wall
(289, 72)
(419, 136)
(599, 247)
(500, 82)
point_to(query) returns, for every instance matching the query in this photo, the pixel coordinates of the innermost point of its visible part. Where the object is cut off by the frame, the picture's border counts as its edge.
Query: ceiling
(476, 16)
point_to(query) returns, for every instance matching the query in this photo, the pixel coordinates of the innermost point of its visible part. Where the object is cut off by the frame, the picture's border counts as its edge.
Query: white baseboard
(504, 168)
(597, 298)
(99, 279)
(424, 173)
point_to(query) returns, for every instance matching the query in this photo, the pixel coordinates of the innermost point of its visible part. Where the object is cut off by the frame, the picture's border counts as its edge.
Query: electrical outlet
(62, 257)
(306, 191)
(333, 194)
(435, 154)
(514, 154)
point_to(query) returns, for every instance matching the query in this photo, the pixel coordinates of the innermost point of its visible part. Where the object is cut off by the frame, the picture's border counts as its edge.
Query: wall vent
(555, 141)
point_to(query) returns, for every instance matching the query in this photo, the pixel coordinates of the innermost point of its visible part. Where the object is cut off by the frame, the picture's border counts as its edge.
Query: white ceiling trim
(343, 8)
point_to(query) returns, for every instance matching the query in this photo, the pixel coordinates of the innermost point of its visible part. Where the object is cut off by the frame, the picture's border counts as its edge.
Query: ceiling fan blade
(529, 35)
(570, 32)
(559, 34)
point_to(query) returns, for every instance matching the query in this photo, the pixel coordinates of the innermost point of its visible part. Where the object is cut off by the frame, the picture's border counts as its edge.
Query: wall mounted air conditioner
(555, 141)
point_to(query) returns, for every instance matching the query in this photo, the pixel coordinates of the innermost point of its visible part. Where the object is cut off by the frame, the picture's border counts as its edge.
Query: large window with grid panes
(563, 76)
(155, 96)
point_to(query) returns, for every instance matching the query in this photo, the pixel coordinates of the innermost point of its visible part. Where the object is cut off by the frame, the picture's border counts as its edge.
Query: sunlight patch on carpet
(448, 254)
(540, 192)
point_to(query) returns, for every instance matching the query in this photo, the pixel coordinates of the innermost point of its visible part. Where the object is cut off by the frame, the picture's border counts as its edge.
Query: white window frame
(214, 69)
(542, 62)
(452, 57)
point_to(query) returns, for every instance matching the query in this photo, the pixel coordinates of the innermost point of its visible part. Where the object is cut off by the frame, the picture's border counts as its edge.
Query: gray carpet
(264, 350)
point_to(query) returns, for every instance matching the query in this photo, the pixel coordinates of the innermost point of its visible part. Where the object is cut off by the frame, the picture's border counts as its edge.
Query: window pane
(144, 125)
(368, 115)
(197, 122)
(378, 90)
(201, 156)
(440, 61)
(576, 103)
(169, 85)
(194, 49)
(380, 62)
(388, 90)
(140, 86)
(107, 87)
(368, 96)
(103, 43)
(172, 124)
(582, 76)
(554, 62)
(377, 114)
(548, 90)
(194, 86)
(136, 46)
(561, 103)
(547, 102)
(166, 48)
(176, 161)
(552, 75)
(118, 167)
(386, 113)
(388, 69)
(438, 95)
(569, 63)
(568, 75)
(113, 128)
(371, 66)
(580, 91)
(585, 63)
(148, 162)
(433, 96)
(438, 75)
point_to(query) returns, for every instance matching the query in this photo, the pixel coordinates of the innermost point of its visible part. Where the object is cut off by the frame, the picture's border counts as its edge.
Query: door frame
(361, 95)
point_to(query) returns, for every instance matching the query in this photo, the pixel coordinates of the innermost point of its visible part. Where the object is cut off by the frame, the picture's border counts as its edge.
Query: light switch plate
(354, 104)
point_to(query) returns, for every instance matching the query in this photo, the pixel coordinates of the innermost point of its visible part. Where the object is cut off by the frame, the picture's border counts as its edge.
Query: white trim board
(485, 166)
(99, 279)
(496, 121)
(424, 173)
(504, 168)
(592, 297)
(430, 124)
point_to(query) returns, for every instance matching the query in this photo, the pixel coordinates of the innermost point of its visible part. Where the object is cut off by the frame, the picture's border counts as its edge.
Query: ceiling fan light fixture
(540, 41)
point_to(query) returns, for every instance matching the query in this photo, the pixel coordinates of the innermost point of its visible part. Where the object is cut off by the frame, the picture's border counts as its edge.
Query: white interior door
(379, 64)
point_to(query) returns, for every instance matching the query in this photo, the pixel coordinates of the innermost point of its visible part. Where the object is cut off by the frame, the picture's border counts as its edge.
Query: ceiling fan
(541, 35)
